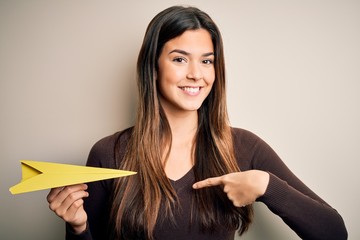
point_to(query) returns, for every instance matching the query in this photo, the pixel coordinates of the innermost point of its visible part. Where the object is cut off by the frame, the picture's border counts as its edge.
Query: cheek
(211, 78)
(171, 79)
(168, 74)
(161, 87)
(164, 85)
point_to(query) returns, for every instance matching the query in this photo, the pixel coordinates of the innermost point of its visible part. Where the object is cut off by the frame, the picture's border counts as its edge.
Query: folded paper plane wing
(44, 175)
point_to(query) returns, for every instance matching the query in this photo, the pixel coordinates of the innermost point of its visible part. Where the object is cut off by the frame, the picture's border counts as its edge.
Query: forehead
(192, 41)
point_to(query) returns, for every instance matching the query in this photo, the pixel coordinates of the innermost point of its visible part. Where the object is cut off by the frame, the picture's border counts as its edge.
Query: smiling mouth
(191, 90)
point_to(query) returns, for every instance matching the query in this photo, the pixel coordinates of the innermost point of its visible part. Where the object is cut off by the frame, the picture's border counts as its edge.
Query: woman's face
(186, 71)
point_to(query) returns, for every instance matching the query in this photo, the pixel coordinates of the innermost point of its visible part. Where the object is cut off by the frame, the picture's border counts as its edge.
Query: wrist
(263, 182)
(78, 229)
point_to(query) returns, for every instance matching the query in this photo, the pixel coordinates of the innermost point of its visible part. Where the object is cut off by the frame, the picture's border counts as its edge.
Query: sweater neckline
(187, 177)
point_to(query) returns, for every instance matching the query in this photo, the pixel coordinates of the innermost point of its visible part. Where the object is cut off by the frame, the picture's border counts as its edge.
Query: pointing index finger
(209, 182)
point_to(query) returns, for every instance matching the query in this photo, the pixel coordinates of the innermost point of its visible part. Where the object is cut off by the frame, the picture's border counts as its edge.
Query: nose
(194, 73)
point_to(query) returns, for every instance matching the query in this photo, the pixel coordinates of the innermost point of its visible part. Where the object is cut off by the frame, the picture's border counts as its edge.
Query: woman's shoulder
(102, 154)
(112, 139)
(243, 136)
(108, 142)
(249, 148)
(249, 140)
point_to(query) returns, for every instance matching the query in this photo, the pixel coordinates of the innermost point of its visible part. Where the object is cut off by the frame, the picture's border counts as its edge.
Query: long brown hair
(137, 199)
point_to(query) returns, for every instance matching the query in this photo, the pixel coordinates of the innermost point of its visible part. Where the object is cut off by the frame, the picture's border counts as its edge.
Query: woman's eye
(208, 61)
(179, 60)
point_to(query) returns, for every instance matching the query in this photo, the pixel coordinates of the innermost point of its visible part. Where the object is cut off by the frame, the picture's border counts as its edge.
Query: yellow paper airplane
(44, 175)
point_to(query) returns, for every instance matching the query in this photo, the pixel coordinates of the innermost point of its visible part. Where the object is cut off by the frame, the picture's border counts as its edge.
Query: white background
(67, 79)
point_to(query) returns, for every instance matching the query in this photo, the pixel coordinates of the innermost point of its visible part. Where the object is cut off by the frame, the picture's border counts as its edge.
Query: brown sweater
(286, 196)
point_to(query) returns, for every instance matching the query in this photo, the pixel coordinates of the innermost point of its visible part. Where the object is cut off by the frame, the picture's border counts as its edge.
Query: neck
(183, 130)
(183, 125)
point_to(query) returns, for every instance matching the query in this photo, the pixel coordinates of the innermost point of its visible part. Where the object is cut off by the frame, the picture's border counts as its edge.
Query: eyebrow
(187, 53)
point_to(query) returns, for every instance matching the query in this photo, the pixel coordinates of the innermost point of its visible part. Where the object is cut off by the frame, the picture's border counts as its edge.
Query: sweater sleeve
(97, 205)
(289, 198)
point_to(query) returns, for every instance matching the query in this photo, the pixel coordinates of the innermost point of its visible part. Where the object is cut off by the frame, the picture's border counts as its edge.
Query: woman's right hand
(67, 202)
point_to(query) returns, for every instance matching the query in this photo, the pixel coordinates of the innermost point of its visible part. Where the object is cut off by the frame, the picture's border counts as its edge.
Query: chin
(193, 108)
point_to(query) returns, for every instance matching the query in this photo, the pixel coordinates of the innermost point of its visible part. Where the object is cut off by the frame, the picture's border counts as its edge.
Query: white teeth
(191, 89)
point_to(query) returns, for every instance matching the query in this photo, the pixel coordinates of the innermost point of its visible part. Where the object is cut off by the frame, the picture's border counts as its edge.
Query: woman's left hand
(242, 188)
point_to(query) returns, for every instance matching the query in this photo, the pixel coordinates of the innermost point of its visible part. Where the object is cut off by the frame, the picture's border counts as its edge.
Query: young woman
(196, 176)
